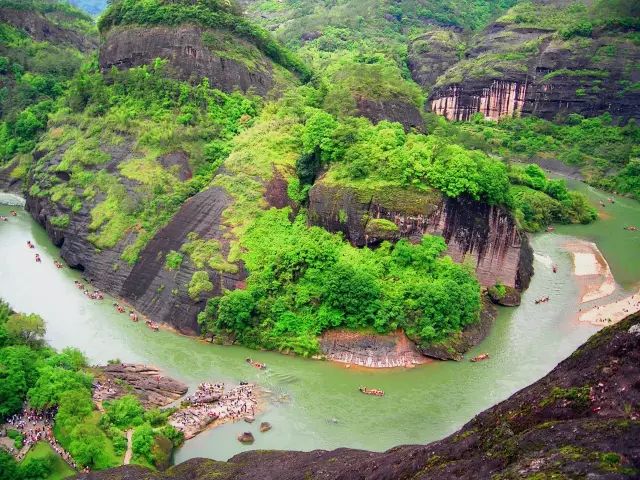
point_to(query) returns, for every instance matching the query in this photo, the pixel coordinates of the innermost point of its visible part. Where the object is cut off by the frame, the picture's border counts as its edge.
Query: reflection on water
(312, 404)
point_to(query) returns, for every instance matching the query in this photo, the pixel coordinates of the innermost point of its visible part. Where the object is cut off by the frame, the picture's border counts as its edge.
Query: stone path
(127, 456)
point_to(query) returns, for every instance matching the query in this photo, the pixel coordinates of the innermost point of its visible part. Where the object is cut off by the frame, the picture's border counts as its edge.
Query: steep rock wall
(41, 29)
(487, 234)
(502, 76)
(393, 110)
(189, 58)
(152, 289)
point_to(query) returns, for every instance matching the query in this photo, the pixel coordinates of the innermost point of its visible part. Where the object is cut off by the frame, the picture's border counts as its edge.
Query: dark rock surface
(393, 110)
(580, 421)
(510, 299)
(588, 76)
(42, 29)
(148, 286)
(7, 183)
(189, 58)
(432, 54)
(487, 234)
(147, 383)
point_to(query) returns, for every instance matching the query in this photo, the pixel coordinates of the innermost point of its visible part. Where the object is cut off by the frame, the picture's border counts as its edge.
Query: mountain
(216, 162)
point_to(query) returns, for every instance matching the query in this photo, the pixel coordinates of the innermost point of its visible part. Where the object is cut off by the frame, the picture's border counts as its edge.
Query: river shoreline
(324, 409)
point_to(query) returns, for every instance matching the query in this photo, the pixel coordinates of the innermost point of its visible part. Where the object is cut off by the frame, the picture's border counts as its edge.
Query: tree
(74, 407)
(234, 310)
(125, 412)
(27, 328)
(88, 445)
(142, 441)
(53, 383)
(17, 375)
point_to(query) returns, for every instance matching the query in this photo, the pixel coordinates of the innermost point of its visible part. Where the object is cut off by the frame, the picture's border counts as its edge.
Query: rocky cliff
(154, 290)
(486, 234)
(228, 62)
(43, 29)
(523, 65)
(580, 421)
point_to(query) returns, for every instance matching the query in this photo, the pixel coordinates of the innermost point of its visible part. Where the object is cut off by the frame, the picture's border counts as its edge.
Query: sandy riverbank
(592, 270)
(596, 283)
(612, 312)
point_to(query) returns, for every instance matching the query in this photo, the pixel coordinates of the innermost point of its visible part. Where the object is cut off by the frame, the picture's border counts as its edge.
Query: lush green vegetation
(304, 281)
(102, 113)
(607, 154)
(32, 372)
(210, 13)
(33, 75)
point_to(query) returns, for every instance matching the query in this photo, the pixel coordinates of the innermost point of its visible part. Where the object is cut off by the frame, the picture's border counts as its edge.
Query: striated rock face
(513, 70)
(580, 421)
(147, 383)
(41, 29)
(148, 286)
(486, 234)
(370, 350)
(193, 53)
(392, 110)
(500, 99)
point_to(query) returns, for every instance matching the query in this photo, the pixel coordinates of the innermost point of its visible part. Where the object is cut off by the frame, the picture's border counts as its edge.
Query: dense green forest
(301, 280)
(61, 382)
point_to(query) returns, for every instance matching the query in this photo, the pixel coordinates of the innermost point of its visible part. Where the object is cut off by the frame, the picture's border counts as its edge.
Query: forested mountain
(264, 172)
(205, 142)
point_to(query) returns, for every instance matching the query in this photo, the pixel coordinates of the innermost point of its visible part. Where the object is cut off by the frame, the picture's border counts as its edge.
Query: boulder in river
(246, 437)
(265, 427)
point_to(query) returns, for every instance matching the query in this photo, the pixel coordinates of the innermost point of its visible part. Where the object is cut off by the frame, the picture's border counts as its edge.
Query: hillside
(42, 45)
(174, 186)
(581, 420)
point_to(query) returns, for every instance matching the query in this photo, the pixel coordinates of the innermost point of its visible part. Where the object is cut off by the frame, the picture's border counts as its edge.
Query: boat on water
(372, 391)
(481, 357)
(258, 365)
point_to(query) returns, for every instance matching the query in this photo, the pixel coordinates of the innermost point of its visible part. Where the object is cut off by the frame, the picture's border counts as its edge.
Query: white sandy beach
(594, 276)
(612, 312)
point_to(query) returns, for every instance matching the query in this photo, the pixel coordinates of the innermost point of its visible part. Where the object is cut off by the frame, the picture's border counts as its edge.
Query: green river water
(315, 404)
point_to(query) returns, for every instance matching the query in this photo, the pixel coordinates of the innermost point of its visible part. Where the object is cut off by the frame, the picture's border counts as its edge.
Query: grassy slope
(59, 469)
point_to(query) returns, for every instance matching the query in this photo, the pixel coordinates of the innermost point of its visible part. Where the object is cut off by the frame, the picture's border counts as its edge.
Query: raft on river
(258, 365)
(372, 391)
(479, 358)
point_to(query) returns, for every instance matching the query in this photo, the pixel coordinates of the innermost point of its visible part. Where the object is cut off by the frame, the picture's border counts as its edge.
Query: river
(315, 404)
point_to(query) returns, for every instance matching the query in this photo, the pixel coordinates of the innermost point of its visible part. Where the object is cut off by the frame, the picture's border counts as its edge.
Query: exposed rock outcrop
(193, 53)
(486, 234)
(151, 288)
(370, 350)
(513, 70)
(393, 110)
(147, 383)
(42, 29)
(580, 421)
(432, 54)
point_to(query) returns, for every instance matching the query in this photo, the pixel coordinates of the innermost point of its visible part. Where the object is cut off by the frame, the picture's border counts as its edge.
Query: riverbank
(324, 408)
(592, 270)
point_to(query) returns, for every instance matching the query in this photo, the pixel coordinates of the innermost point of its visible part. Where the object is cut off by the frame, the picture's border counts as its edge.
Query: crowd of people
(95, 295)
(35, 426)
(212, 402)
